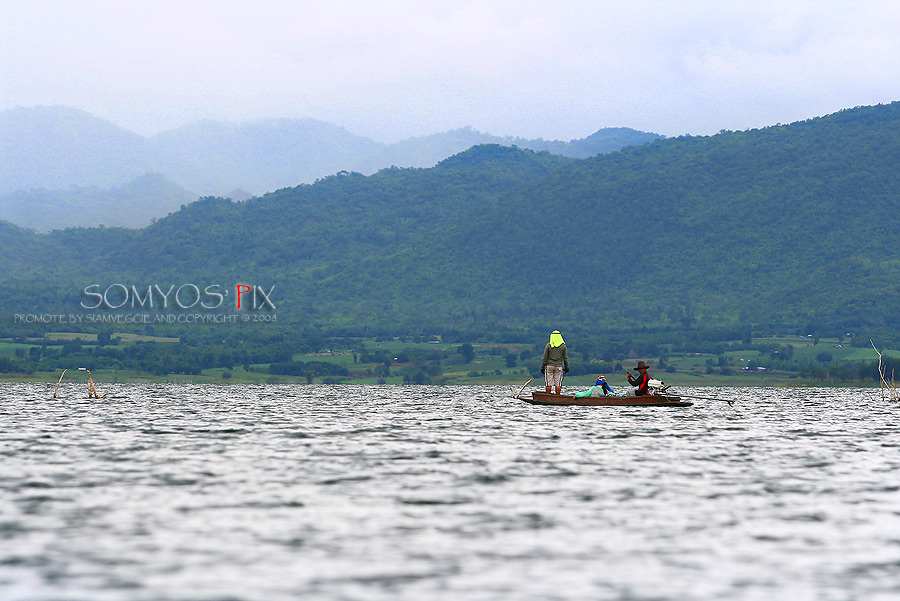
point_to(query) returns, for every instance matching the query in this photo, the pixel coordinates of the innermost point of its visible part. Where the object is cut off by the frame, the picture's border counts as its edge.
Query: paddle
(515, 394)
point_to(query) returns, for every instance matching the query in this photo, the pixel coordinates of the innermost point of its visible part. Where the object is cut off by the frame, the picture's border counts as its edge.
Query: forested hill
(787, 227)
(297, 239)
(793, 225)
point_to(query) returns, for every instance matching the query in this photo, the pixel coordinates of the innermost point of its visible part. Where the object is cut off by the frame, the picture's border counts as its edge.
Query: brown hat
(641, 365)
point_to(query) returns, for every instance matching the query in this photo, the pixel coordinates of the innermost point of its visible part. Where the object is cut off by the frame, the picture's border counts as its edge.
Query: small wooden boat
(540, 397)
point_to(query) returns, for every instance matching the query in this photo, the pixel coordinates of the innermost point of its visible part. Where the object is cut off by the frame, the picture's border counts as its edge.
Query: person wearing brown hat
(642, 381)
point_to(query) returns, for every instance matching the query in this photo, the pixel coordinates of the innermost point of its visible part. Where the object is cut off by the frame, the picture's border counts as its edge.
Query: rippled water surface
(399, 493)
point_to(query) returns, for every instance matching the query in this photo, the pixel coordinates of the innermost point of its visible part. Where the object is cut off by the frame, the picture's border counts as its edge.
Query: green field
(488, 365)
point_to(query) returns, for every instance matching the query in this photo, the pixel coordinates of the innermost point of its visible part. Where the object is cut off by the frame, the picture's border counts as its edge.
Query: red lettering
(246, 288)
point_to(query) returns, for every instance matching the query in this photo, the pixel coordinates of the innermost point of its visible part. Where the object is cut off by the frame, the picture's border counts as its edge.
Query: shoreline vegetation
(785, 361)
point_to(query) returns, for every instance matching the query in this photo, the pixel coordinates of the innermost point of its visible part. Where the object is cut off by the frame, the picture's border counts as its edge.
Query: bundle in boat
(540, 397)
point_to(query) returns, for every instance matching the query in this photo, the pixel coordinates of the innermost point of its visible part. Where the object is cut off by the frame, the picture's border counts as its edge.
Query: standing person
(642, 381)
(555, 362)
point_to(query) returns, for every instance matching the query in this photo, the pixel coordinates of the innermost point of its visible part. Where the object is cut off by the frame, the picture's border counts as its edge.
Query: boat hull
(539, 397)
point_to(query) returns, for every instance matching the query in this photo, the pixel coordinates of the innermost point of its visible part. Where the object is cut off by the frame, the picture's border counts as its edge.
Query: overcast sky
(391, 70)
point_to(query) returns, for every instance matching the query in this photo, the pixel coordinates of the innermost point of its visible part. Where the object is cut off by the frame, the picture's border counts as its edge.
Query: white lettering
(166, 295)
(97, 294)
(196, 292)
(135, 297)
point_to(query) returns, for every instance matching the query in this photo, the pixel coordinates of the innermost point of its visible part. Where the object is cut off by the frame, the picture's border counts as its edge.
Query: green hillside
(299, 239)
(781, 229)
(788, 226)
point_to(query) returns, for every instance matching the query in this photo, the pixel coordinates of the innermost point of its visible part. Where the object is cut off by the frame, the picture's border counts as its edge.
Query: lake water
(178, 492)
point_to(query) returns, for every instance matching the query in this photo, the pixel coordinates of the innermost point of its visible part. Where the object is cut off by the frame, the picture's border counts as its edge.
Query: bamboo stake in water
(885, 385)
(92, 390)
(60, 382)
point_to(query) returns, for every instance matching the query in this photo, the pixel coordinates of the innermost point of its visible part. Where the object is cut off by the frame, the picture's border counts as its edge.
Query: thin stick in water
(59, 382)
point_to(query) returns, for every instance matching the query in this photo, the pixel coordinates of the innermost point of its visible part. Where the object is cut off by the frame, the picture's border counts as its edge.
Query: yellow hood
(556, 339)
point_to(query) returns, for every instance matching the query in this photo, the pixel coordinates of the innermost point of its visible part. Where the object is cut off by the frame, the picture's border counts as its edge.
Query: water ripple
(245, 493)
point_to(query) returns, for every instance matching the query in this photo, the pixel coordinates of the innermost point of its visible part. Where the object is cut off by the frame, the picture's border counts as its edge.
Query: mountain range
(64, 167)
(788, 228)
(134, 204)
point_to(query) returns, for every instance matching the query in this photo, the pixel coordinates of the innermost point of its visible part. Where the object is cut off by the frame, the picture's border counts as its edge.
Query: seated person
(642, 381)
(601, 388)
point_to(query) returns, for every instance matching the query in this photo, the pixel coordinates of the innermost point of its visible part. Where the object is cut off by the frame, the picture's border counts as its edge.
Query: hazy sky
(390, 70)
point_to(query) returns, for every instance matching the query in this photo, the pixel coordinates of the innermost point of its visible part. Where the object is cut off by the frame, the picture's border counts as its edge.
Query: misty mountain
(134, 204)
(426, 151)
(214, 157)
(57, 147)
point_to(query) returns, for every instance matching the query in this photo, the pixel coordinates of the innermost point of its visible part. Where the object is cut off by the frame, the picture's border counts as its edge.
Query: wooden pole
(92, 390)
(885, 385)
(515, 395)
(59, 382)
